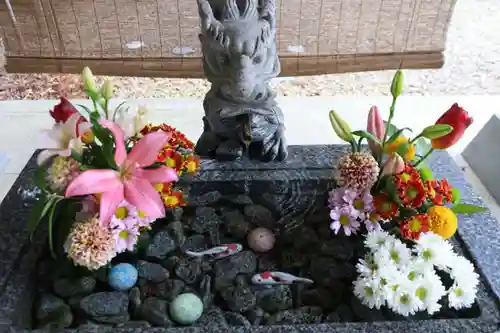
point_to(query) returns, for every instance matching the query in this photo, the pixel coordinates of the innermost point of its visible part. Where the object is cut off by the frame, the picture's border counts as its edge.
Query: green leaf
(38, 212)
(463, 208)
(39, 178)
(51, 224)
(436, 131)
(390, 129)
(366, 135)
(397, 134)
(89, 112)
(403, 148)
(422, 146)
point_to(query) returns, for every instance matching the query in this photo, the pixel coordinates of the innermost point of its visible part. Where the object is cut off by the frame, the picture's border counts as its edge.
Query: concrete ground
(306, 121)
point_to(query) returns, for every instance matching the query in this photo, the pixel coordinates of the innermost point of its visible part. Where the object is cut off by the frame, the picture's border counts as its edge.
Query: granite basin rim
(15, 274)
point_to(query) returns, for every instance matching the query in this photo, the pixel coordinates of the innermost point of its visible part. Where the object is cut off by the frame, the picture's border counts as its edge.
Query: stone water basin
(227, 200)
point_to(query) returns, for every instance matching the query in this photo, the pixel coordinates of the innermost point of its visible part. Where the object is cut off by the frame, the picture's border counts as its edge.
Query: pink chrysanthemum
(90, 245)
(358, 171)
(61, 172)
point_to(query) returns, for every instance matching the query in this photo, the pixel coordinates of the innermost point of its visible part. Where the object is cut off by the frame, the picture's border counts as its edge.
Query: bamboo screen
(160, 37)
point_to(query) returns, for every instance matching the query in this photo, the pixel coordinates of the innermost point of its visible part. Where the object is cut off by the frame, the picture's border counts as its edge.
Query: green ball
(186, 308)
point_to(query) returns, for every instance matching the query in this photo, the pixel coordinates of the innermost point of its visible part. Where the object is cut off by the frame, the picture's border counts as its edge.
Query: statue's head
(238, 45)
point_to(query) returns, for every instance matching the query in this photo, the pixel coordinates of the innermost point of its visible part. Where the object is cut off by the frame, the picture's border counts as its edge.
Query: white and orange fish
(218, 252)
(271, 278)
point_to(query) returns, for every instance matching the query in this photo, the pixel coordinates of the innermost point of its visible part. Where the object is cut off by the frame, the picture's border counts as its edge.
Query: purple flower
(344, 217)
(363, 204)
(372, 223)
(341, 196)
(126, 232)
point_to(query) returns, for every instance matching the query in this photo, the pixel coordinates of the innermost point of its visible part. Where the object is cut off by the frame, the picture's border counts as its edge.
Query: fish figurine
(218, 252)
(273, 278)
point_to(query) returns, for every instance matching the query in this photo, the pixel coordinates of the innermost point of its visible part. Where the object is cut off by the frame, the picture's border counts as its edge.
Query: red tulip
(459, 119)
(376, 127)
(63, 111)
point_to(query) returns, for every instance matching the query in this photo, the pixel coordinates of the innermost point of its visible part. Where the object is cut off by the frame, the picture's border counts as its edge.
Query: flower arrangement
(108, 176)
(389, 187)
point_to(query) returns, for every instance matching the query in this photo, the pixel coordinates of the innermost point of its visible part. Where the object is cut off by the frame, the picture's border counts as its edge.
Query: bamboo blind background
(160, 37)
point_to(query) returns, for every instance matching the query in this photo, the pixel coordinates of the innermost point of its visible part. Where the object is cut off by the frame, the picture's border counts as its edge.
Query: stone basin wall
(285, 190)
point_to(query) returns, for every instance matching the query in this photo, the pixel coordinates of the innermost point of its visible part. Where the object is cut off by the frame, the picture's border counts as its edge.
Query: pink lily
(130, 182)
(376, 127)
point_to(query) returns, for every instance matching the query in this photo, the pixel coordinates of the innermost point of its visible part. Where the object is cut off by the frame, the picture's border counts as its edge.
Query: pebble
(161, 245)
(105, 304)
(70, 287)
(122, 277)
(186, 308)
(261, 240)
(151, 271)
(154, 311)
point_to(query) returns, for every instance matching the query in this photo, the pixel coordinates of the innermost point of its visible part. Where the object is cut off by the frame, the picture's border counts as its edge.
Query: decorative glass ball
(186, 308)
(261, 240)
(122, 277)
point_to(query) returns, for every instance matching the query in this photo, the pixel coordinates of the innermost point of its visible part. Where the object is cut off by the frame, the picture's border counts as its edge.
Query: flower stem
(387, 127)
(353, 146)
(424, 157)
(416, 138)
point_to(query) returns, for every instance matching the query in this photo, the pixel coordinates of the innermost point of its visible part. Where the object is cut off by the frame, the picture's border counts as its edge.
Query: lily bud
(397, 84)
(341, 127)
(394, 165)
(436, 131)
(88, 81)
(107, 89)
(376, 127)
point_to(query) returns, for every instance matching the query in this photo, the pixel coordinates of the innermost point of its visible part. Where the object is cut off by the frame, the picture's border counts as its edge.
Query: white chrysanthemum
(397, 252)
(429, 290)
(416, 268)
(404, 300)
(378, 238)
(461, 296)
(369, 292)
(462, 271)
(434, 250)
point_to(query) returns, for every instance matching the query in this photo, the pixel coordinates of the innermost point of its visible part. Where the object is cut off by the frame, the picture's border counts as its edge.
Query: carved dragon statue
(239, 59)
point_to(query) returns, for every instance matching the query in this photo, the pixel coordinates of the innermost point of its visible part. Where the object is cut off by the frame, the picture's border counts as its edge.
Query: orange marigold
(192, 163)
(412, 194)
(178, 138)
(409, 174)
(413, 226)
(173, 198)
(384, 206)
(439, 192)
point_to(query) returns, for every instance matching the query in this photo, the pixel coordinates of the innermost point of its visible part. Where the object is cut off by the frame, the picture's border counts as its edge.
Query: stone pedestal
(483, 156)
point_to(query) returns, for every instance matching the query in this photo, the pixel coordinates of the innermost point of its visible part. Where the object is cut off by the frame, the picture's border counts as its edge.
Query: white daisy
(429, 290)
(404, 300)
(377, 238)
(367, 267)
(462, 271)
(461, 296)
(434, 250)
(397, 253)
(369, 292)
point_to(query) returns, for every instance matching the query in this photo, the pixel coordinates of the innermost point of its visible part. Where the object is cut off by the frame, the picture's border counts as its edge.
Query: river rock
(260, 216)
(213, 321)
(105, 304)
(176, 231)
(167, 290)
(161, 245)
(206, 294)
(241, 263)
(275, 299)
(236, 319)
(255, 316)
(155, 311)
(152, 272)
(134, 324)
(188, 270)
(238, 297)
(52, 312)
(70, 287)
(206, 199)
(206, 218)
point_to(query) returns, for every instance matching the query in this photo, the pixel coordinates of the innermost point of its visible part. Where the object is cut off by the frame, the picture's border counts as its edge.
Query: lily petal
(141, 194)
(120, 152)
(162, 174)
(93, 181)
(144, 152)
(69, 127)
(76, 145)
(44, 155)
(108, 203)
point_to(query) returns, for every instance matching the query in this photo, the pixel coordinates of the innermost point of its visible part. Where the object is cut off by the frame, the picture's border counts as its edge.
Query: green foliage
(463, 208)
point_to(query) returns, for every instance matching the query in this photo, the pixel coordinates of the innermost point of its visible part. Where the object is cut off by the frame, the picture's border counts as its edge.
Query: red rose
(63, 111)
(459, 119)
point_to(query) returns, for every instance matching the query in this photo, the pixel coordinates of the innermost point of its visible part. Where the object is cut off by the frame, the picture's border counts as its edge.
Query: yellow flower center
(368, 291)
(359, 204)
(170, 162)
(411, 193)
(459, 292)
(386, 207)
(421, 293)
(124, 234)
(171, 200)
(344, 220)
(121, 213)
(88, 137)
(415, 225)
(442, 221)
(191, 166)
(404, 299)
(405, 177)
(141, 214)
(394, 256)
(159, 187)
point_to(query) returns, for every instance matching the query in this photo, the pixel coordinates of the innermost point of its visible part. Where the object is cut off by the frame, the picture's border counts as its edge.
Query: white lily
(132, 125)
(65, 138)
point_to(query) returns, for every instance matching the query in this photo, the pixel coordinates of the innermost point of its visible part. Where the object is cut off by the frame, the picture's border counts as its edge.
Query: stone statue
(239, 59)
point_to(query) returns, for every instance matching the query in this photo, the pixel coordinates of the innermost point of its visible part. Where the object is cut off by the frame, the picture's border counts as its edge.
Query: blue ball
(186, 308)
(122, 277)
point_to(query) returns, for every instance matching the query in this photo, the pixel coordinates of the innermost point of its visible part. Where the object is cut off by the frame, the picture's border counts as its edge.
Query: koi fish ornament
(218, 252)
(274, 278)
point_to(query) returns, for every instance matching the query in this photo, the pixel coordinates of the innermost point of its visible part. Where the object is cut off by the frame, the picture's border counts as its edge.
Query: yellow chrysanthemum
(393, 147)
(442, 221)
